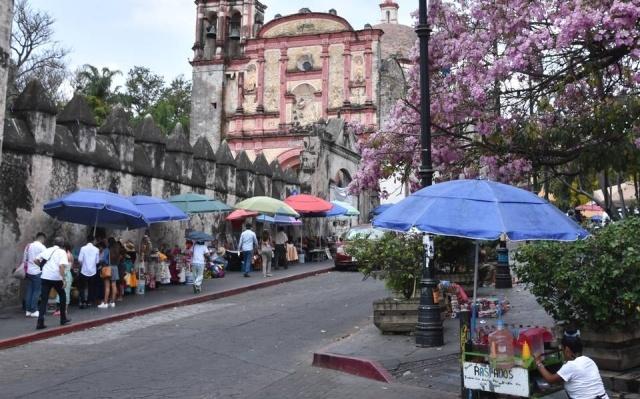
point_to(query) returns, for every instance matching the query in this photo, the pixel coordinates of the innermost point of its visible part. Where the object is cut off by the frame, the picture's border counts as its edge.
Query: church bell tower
(222, 30)
(389, 10)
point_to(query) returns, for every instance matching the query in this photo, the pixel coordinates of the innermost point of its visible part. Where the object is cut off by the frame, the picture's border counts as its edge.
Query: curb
(54, 332)
(352, 365)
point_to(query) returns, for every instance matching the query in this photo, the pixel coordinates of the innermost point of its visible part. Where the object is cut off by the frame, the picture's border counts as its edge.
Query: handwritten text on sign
(514, 381)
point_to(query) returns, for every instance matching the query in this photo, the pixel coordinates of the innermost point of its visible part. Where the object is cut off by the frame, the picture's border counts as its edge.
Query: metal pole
(429, 331)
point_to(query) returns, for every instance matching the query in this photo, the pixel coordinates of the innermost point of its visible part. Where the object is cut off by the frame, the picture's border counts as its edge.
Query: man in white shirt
(248, 243)
(579, 374)
(31, 252)
(89, 279)
(281, 250)
(52, 261)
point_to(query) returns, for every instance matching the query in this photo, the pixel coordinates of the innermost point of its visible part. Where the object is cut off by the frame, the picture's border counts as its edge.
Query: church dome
(397, 41)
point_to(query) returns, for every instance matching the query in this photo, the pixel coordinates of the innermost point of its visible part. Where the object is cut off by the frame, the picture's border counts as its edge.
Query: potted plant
(396, 259)
(595, 285)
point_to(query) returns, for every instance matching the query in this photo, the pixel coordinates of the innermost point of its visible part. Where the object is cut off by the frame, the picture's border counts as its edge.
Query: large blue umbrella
(157, 210)
(96, 208)
(480, 210)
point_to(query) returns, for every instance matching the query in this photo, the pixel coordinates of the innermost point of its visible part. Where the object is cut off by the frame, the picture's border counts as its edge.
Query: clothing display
(292, 253)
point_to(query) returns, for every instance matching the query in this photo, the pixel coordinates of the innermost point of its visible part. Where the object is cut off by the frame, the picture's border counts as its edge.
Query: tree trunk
(604, 185)
(636, 190)
(621, 195)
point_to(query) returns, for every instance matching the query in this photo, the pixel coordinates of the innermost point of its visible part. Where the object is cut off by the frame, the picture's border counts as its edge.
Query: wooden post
(465, 345)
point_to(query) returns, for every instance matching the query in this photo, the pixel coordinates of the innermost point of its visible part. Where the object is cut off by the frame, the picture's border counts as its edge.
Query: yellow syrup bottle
(526, 352)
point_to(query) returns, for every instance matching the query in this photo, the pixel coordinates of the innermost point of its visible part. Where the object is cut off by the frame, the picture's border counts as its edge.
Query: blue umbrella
(279, 219)
(96, 208)
(199, 236)
(341, 208)
(480, 210)
(157, 210)
(381, 208)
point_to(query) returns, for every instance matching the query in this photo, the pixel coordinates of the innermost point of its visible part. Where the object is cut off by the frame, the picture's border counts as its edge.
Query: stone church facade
(269, 87)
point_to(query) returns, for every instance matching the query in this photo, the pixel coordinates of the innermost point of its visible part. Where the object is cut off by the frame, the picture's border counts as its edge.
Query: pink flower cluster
(498, 66)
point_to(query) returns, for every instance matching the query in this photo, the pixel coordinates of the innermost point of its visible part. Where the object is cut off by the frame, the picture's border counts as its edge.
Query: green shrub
(395, 258)
(593, 283)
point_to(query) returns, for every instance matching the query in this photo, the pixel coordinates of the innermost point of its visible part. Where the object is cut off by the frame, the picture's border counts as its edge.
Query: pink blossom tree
(519, 88)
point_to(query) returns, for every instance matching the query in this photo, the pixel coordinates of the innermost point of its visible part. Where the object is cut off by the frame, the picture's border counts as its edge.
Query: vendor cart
(480, 380)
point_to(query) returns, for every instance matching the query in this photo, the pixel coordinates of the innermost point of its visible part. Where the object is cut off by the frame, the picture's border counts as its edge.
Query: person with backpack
(53, 261)
(33, 273)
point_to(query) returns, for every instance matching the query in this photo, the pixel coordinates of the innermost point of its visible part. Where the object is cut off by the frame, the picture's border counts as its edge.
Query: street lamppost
(429, 330)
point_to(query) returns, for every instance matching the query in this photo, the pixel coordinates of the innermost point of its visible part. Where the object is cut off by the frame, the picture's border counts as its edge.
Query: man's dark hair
(41, 235)
(248, 226)
(280, 228)
(90, 238)
(58, 241)
(572, 341)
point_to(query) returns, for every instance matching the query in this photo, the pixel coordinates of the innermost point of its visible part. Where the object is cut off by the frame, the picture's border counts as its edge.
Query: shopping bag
(20, 272)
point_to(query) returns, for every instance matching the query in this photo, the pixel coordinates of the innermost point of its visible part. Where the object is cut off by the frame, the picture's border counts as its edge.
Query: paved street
(254, 345)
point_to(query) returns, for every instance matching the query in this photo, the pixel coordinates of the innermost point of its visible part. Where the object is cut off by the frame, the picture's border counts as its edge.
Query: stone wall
(47, 154)
(6, 18)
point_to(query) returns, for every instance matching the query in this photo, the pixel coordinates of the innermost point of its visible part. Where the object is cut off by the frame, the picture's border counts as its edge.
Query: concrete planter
(613, 350)
(392, 315)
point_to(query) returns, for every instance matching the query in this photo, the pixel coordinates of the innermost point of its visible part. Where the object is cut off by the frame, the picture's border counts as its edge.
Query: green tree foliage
(173, 105)
(143, 89)
(593, 283)
(97, 85)
(144, 93)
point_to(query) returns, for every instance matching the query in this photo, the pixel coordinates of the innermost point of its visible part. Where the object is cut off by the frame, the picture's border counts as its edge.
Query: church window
(388, 16)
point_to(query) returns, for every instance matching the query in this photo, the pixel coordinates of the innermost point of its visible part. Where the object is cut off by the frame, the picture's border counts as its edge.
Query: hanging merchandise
(165, 273)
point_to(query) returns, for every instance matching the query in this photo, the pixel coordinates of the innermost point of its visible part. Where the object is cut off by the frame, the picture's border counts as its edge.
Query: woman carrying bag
(266, 250)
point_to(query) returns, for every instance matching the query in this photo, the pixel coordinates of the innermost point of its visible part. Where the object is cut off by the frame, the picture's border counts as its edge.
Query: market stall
(484, 210)
(500, 358)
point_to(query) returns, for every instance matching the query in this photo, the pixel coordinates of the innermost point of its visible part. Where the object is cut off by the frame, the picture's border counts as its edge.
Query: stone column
(347, 73)
(368, 65)
(283, 84)
(260, 88)
(6, 18)
(239, 107)
(325, 80)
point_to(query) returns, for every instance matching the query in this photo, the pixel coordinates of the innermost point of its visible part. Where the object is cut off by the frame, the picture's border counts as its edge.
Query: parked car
(344, 261)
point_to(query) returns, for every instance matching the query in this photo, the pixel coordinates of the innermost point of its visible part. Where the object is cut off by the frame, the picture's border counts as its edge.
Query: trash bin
(301, 257)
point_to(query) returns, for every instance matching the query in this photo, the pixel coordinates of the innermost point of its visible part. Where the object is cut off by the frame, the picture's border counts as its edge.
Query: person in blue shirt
(247, 244)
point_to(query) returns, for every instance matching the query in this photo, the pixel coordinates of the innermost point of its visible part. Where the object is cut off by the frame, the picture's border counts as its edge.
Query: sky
(159, 34)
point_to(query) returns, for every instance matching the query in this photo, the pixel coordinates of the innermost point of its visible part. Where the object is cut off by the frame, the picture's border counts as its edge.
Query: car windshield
(370, 233)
